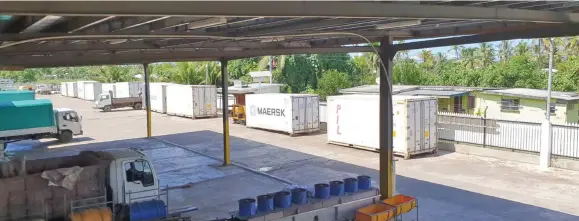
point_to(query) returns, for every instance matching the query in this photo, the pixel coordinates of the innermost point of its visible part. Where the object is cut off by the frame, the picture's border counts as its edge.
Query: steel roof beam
(139, 57)
(284, 9)
(559, 31)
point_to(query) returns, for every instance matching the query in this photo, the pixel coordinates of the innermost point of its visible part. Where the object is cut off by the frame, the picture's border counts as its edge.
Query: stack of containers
(80, 88)
(193, 101)
(353, 121)
(290, 113)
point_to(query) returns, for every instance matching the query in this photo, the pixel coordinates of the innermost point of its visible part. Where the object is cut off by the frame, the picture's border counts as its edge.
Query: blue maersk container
(6, 96)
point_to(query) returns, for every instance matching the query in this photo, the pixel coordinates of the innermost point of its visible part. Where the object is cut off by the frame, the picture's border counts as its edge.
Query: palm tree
(427, 58)
(486, 53)
(263, 63)
(469, 57)
(522, 49)
(457, 49)
(505, 50)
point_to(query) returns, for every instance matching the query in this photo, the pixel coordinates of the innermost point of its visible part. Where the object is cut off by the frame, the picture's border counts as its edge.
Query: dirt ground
(449, 186)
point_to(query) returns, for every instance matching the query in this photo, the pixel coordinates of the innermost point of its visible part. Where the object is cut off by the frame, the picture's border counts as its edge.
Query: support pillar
(387, 178)
(3, 146)
(225, 110)
(148, 100)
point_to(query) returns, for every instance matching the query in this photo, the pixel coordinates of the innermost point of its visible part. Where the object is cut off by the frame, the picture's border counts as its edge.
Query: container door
(196, 109)
(295, 103)
(315, 112)
(412, 130)
(207, 101)
(163, 97)
(431, 110)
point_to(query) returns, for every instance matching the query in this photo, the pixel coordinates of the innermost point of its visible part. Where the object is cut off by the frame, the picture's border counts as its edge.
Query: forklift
(238, 109)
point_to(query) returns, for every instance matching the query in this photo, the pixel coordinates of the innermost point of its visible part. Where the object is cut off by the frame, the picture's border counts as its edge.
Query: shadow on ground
(436, 202)
(206, 179)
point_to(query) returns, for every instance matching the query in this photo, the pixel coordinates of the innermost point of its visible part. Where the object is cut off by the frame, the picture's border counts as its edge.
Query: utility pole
(546, 127)
(206, 73)
(270, 68)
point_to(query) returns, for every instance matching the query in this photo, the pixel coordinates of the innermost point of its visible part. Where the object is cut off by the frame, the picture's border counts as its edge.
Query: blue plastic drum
(247, 207)
(351, 185)
(147, 210)
(364, 182)
(322, 191)
(337, 188)
(299, 196)
(283, 199)
(265, 203)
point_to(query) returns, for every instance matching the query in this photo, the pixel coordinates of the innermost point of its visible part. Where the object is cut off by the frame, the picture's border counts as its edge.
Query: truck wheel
(107, 108)
(65, 136)
(138, 106)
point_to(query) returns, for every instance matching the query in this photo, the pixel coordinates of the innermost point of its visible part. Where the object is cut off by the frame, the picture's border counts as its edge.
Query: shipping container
(63, 90)
(158, 93)
(191, 100)
(108, 88)
(80, 89)
(6, 96)
(71, 89)
(127, 89)
(353, 121)
(290, 113)
(92, 90)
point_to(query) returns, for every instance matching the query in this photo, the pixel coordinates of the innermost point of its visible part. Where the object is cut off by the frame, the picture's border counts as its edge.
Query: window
(510, 104)
(139, 171)
(70, 116)
(552, 109)
(104, 97)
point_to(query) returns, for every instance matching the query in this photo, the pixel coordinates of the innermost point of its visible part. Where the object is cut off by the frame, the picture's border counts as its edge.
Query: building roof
(434, 93)
(251, 88)
(437, 91)
(534, 93)
(75, 33)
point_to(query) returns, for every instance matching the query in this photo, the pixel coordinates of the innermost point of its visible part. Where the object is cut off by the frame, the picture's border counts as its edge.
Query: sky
(452, 55)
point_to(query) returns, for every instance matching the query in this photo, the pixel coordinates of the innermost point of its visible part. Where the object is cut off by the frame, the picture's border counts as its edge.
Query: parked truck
(93, 185)
(108, 102)
(36, 119)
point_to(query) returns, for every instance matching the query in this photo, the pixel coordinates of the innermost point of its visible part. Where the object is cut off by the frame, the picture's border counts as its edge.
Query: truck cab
(131, 177)
(103, 100)
(68, 123)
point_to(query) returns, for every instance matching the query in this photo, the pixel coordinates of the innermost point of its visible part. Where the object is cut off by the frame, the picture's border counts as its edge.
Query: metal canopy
(85, 33)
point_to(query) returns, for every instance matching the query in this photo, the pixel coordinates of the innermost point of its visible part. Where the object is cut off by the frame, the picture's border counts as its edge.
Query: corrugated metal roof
(375, 89)
(535, 93)
(434, 93)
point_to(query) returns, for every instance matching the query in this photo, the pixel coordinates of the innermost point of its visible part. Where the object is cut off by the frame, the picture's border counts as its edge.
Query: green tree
(522, 49)
(505, 50)
(468, 57)
(457, 49)
(486, 54)
(331, 82)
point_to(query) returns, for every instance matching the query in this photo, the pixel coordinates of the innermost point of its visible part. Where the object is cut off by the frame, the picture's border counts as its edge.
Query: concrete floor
(449, 186)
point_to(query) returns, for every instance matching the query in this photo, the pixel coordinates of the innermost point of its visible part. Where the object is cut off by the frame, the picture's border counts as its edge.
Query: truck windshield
(104, 97)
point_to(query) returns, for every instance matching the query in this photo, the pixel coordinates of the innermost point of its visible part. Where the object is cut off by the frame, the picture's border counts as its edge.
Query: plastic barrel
(364, 182)
(147, 210)
(322, 191)
(351, 185)
(299, 196)
(265, 203)
(95, 214)
(336, 188)
(247, 207)
(283, 199)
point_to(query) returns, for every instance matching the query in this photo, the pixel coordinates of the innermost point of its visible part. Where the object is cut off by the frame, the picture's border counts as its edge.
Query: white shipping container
(80, 89)
(291, 113)
(71, 89)
(353, 121)
(158, 93)
(127, 89)
(191, 100)
(63, 90)
(108, 88)
(92, 90)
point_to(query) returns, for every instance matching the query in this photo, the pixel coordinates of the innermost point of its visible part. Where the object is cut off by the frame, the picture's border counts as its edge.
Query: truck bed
(30, 196)
(126, 100)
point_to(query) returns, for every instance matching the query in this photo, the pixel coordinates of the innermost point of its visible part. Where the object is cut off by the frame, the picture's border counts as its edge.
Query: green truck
(36, 119)
(6, 96)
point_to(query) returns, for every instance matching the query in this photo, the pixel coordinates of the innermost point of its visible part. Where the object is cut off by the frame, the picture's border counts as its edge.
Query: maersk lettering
(270, 111)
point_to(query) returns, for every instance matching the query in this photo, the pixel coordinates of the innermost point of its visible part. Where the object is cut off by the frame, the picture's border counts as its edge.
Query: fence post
(485, 131)
(546, 144)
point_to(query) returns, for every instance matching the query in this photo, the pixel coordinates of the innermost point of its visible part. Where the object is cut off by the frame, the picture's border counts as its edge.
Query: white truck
(108, 102)
(121, 184)
(36, 119)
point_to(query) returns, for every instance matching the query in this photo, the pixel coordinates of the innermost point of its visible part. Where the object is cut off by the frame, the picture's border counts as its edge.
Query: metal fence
(508, 134)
